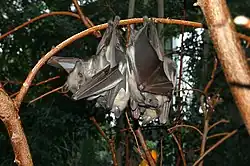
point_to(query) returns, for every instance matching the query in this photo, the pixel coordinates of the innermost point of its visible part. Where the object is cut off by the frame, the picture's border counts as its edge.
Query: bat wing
(99, 83)
(148, 62)
(67, 63)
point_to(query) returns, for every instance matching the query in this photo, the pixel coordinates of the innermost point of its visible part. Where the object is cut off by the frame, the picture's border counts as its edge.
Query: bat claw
(65, 88)
(147, 20)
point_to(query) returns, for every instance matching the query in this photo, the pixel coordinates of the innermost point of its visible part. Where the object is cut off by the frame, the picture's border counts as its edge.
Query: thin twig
(45, 94)
(148, 155)
(136, 141)
(212, 76)
(179, 103)
(36, 84)
(180, 149)
(204, 138)
(38, 18)
(214, 146)
(127, 150)
(205, 111)
(14, 94)
(217, 135)
(46, 81)
(112, 149)
(161, 158)
(217, 123)
(110, 141)
(99, 128)
(187, 126)
(40, 83)
(84, 19)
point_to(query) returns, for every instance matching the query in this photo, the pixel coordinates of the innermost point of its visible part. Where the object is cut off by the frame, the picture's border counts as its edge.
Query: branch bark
(214, 146)
(230, 53)
(131, 8)
(12, 122)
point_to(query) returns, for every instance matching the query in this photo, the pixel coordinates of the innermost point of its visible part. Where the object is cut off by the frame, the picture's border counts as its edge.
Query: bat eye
(141, 87)
(80, 75)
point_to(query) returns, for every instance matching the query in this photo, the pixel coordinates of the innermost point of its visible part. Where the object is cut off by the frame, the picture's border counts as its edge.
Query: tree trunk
(161, 15)
(131, 8)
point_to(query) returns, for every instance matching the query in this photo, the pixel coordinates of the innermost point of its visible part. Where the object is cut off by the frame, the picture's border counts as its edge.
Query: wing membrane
(101, 82)
(67, 63)
(150, 74)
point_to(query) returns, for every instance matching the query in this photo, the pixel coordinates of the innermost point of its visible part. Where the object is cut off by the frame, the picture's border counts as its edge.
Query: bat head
(76, 78)
(150, 99)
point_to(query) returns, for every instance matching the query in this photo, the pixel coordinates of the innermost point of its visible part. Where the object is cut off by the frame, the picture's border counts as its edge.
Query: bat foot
(116, 111)
(74, 97)
(65, 88)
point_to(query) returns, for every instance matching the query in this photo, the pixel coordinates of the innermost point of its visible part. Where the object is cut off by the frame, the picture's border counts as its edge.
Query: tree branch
(45, 94)
(84, 19)
(12, 122)
(230, 53)
(145, 148)
(110, 141)
(217, 123)
(214, 146)
(187, 126)
(180, 150)
(38, 18)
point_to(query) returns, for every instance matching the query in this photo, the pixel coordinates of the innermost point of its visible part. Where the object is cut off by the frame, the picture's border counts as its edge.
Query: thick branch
(12, 122)
(230, 53)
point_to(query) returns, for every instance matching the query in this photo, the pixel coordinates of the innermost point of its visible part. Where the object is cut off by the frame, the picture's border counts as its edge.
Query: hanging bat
(151, 74)
(102, 76)
(90, 72)
(115, 98)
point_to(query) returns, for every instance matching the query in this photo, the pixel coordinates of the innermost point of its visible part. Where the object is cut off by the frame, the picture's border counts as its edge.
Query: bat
(102, 77)
(116, 94)
(151, 74)
(84, 75)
